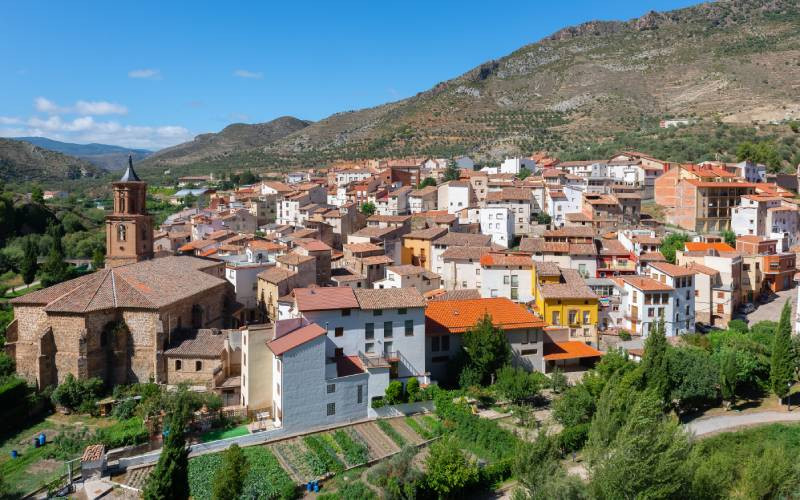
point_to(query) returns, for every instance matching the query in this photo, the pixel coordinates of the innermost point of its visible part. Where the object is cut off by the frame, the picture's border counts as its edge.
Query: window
(650, 312)
(369, 347)
(387, 329)
(528, 352)
(331, 410)
(331, 388)
(402, 310)
(278, 364)
(178, 364)
(198, 365)
(556, 318)
(369, 331)
(377, 312)
(121, 232)
(360, 394)
(573, 316)
(338, 331)
(514, 293)
(345, 312)
(514, 280)
(387, 348)
(445, 343)
(586, 317)
(506, 280)
(409, 327)
(435, 344)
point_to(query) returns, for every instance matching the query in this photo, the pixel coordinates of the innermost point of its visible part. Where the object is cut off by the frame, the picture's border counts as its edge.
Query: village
(306, 301)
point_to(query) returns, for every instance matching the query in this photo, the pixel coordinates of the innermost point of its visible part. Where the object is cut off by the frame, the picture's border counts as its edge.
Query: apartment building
(565, 302)
(682, 280)
(461, 267)
(498, 222)
(506, 274)
(644, 302)
(423, 200)
(519, 202)
(409, 276)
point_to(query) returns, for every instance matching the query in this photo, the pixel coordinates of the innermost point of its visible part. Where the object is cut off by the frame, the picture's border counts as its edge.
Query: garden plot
(378, 443)
(296, 459)
(408, 434)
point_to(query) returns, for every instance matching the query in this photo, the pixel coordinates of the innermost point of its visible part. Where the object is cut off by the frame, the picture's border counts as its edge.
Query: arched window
(121, 230)
(177, 364)
(122, 202)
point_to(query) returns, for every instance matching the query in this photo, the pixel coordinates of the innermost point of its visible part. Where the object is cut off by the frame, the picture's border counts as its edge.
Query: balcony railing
(376, 360)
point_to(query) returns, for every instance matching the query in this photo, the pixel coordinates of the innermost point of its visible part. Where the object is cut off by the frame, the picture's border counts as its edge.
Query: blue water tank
(14, 454)
(42, 439)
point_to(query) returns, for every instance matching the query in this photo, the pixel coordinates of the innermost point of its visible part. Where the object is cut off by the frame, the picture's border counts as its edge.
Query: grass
(20, 293)
(217, 434)
(390, 431)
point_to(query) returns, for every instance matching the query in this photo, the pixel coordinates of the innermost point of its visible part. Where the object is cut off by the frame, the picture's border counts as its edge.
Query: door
(634, 317)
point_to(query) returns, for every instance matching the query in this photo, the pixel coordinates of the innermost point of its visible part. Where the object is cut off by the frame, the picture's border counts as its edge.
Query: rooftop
(295, 338)
(464, 239)
(645, 284)
(671, 269)
(426, 234)
(406, 270)
(389, 298)
(204, 343)
(700, 246)
(569, 350)
(506, 259)
(458, 316)
(325, 298)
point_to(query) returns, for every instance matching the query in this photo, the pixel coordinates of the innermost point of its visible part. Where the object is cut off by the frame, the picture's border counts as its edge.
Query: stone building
(116, 323)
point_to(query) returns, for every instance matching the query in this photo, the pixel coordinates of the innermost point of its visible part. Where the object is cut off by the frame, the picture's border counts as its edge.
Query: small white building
(751, 172)
(454, 196)
(643, 302)
(461, 267)
(499, 223)
(410, 276)
(422, 200)
(514, 165)
(507, 275)
(394, 203)
(682, 279)
(297, 177)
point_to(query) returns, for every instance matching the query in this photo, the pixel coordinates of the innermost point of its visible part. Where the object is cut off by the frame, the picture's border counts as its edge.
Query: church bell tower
(129, 229)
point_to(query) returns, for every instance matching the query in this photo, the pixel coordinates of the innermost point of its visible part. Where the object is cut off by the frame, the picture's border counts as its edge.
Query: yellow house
(565, 302)
(417, 246)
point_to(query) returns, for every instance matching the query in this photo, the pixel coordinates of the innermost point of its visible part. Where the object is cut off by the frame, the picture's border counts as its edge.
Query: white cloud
(243, 73)
(81, 107)
(147, 74)
(85, 129)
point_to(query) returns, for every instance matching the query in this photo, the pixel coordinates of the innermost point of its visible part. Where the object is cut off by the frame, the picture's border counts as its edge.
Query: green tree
(229, 479)
(452, 172)
(55, 268)
(671, 243)
(516, 384)
(485, 349)
(37, 195)
(558, 381)
(781, 373)
(170, 478)
(654, 362)
(248, 177)
(693, 377)
(543, 218)
(412, 389)
(427, 181)
(394, 392)
(729, 237)
(576, 406)
(98, 259)
(29, 264)
(648, 458)
(524, 173)
(613, 406)
(541, 477)
(368, 208)
(448, 470)
(762, 153)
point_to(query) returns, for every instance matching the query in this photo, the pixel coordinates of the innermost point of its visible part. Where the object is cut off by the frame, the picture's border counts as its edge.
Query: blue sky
(152, 74)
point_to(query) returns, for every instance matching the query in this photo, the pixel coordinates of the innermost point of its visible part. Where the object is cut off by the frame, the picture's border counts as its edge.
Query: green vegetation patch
(265, 477)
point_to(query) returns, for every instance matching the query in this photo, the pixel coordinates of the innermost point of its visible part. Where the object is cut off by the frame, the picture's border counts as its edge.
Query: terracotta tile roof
(506, 259)
(343, 275)
(574, 287)
(458, 184)
(613, 247)
(465, 253)
(700, 246)
(293, 259)
(269, 246)
(700, 268)
(388, 218)
(406, 270)
(276, 275)
(569, 350)
(463, 239)
(196, 245)
(645, 240)
(208, 253)
(582, 249)
(703, 184)
(205, 343)
(361, 247)
(510, 194)
(376, 232)
(150, 284)
(458, 316)
(578, 217)
(460, 294)
(672, 269)
(547, 269)
(279, 187)
(93, 452)
(325, 298)
(645, 284)
(295, 338)
(539, 245)
(426, 234)
(652, 256)
(348, 365)
(426, 191)
(389, 298)
(377, 259)
(314, 246)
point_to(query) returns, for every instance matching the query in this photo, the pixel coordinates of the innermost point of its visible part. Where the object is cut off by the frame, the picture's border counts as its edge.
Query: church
(117, 322)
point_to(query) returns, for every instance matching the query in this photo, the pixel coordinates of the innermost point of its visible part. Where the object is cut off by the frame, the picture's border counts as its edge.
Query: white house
(461, 267)
(499, 223)
(454, 196)
(345, 177)
(410, 276)
(422, 200)
(682, 279)
(451, 240)
(643, 302)
(394, 203)
(297, 177)
(514, 165)
(751, 172)
(507, 275)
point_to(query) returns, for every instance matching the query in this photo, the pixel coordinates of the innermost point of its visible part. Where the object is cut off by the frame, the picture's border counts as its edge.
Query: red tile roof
(700, 246)
(295, 338)
(506, 259)
(672, 269)
(458, 316)
(325, 298)
(569, 350)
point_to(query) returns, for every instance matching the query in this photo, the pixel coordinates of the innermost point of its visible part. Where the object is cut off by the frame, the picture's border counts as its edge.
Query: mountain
(730, 61)
(22, 161)
(233, 139)
(105, 156)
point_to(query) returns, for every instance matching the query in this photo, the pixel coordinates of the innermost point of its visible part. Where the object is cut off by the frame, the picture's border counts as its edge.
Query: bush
(7, 364)
(412, 388)
(516, 384)
(573, 438)
(484, 436)
(558, 381)
(448, 471)
(394, 393)
(624, 335)
(78, 394)
(123, 433)
(378, 402)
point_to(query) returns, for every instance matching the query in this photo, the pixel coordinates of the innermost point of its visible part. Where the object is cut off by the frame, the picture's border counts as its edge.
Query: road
(733, 421)
(772, 310)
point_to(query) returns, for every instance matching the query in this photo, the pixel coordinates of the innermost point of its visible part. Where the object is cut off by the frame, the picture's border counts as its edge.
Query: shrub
(378, 402)
(78, 394)
(573, 438)
(482, 435)
(558, 381)
(412, 388)
(516, 384)
(390, 431)
(394, 393)
(229, 479)
(123, 433)
(448, 471)
(350, 491)
(624, 335)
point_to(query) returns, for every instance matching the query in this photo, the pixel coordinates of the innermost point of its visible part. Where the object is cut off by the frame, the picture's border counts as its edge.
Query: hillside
(21, 161)
(733, 61)
(105, 156)
(233, 139)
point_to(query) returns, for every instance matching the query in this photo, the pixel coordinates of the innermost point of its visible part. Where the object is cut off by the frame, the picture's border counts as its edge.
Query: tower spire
(130, 173)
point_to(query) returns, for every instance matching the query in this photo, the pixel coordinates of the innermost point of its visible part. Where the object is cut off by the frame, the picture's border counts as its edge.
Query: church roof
(150, 284)
(130, 173)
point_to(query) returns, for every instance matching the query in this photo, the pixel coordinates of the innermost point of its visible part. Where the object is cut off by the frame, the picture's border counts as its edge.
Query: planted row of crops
(265, 476)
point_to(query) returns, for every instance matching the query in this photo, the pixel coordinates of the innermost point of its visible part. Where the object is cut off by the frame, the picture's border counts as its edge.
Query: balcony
(375, 360)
